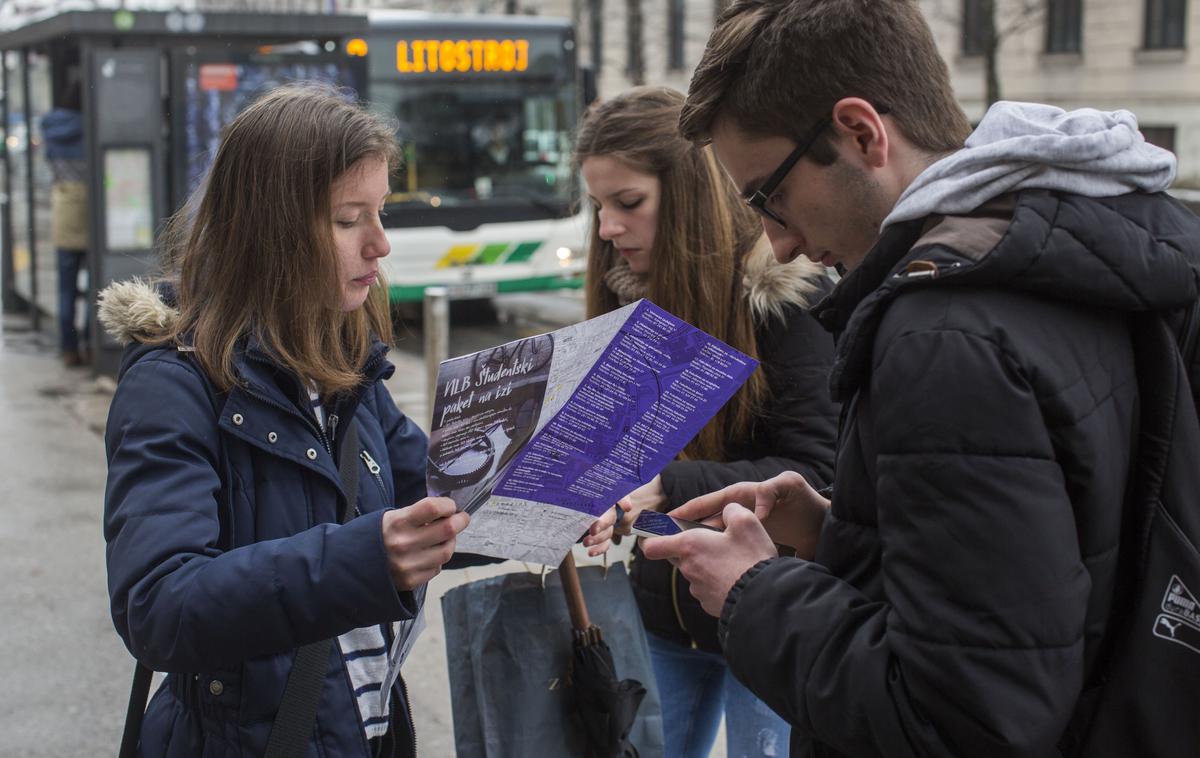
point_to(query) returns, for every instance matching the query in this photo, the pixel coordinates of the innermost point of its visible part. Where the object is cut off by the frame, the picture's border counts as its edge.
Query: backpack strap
(136, 710)
(1157, 356)
(1163, 357)
(1160, 380)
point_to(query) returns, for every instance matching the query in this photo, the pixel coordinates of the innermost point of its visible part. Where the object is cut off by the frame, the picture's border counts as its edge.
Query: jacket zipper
(325, 440)
(412, 727)
(373, 467)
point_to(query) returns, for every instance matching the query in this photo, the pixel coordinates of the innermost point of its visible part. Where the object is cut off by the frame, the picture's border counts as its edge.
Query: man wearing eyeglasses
(951, 598)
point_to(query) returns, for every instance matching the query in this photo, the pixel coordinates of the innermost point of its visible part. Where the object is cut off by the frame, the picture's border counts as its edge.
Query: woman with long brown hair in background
(667, 225)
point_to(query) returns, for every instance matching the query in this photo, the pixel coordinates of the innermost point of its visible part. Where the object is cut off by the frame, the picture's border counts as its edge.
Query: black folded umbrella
(606, 707)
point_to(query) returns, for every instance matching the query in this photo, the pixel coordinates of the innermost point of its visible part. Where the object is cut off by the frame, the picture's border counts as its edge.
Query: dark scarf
(625, 284)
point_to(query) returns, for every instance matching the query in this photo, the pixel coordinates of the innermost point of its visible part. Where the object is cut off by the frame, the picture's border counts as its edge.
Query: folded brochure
(537, 437)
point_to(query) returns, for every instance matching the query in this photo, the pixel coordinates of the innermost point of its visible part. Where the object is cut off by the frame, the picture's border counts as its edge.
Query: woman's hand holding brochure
(599, 535)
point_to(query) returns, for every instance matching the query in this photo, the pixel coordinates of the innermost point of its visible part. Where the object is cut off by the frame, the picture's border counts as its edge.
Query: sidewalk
(69, 673)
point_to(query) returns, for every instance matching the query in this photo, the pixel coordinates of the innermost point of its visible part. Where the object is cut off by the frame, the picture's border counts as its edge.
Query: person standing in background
(668, 226)
(62, 129)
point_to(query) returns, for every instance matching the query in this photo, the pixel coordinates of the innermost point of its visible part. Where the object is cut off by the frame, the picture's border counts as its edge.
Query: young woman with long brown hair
(250, 406)
(668, 225)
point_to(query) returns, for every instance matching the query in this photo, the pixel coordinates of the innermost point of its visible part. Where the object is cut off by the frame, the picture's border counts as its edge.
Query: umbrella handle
(574, 594)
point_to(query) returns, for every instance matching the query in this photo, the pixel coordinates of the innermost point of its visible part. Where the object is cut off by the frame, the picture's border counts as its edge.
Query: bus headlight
(568, 257)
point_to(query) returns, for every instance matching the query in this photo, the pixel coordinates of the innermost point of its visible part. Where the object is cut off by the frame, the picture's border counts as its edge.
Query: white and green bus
(487, 105)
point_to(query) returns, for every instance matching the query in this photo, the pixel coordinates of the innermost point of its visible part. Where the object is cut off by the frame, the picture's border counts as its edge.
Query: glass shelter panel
(218, 84)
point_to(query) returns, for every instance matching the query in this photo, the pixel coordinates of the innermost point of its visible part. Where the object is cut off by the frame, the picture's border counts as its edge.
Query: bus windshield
(485, 114)
(477, 143)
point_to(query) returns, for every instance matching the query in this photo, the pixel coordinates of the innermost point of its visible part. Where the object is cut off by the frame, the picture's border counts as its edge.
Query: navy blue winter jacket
(223, 555)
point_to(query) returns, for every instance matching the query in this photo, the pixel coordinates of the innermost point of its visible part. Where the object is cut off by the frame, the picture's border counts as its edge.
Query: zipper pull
(372, 466)
(333, 422)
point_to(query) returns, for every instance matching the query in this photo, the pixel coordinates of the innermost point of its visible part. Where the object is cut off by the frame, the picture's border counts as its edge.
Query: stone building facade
(1140, 55)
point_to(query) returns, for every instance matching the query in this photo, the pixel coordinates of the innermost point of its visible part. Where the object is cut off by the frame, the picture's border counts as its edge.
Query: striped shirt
(364, 650)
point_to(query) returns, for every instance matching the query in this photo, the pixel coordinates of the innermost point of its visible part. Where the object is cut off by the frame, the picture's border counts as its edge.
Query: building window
(596, 32)
(635, 48)
(675, 13)
(1165, 24)
(1064, 21)
(1163, 136)
(976, 26)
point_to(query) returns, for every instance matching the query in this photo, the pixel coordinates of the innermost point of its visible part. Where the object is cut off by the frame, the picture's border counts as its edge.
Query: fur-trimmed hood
(135, 311)
(771, 286)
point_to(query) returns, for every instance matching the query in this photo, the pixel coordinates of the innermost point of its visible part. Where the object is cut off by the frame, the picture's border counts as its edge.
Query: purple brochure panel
(486, 408)
(653, 389)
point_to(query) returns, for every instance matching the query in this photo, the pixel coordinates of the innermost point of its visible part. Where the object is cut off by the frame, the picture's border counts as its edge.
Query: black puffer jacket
(797, 433)
(965, 572)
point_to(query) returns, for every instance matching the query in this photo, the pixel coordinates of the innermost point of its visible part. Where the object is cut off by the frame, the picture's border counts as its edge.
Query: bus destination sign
(462, 55)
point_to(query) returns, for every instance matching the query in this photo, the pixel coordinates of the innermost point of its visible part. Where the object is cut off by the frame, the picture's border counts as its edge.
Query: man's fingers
(744, 527)
(790, 486)
(737, 518)
(765, 498)
(658, 548)
(707, 506)
(700, 508)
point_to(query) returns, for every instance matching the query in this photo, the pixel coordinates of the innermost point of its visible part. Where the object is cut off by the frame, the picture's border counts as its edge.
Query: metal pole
(35, 313)
(7, 270)
(437, 341)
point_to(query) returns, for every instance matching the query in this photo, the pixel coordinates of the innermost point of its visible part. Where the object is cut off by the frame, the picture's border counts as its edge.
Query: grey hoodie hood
(1031, 146)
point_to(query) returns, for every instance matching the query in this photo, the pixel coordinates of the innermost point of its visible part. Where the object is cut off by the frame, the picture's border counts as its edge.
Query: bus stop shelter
(154, 90)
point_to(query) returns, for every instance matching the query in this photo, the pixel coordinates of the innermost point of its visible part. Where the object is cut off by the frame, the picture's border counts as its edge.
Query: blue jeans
(69, 264)
(696, 687)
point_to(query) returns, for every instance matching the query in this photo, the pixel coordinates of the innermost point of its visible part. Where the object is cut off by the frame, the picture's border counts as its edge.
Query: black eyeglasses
(758, 198)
